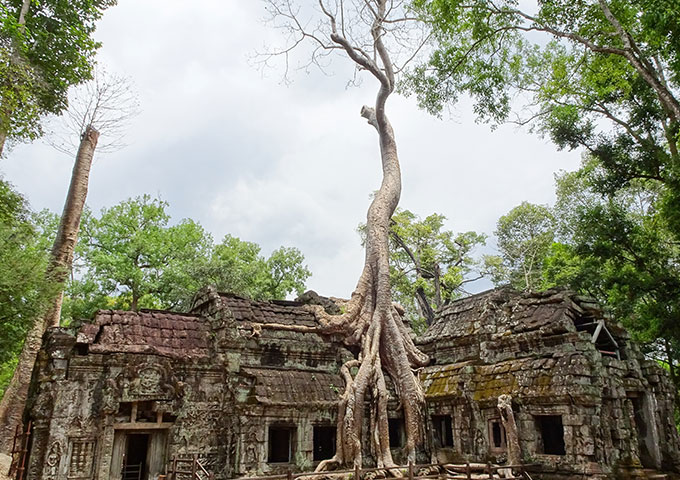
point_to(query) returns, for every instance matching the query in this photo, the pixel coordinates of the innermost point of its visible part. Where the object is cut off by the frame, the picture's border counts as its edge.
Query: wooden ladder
(17, 468)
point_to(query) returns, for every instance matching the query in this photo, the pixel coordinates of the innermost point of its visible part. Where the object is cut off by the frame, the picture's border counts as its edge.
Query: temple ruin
(132, 395)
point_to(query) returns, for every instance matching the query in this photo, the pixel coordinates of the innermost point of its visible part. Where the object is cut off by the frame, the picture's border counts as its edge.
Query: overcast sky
(235, 149)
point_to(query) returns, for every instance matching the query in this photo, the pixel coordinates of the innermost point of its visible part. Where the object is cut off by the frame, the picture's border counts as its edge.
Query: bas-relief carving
(52, 461)
(150, 380)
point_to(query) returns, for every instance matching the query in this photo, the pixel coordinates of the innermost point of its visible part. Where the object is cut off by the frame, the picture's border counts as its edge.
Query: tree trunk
(511, 432)
(370, 320)
(425, 307)
(67, 234)
(14, 399)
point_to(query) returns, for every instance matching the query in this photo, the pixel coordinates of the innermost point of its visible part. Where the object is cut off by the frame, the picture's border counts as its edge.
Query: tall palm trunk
(12, 404)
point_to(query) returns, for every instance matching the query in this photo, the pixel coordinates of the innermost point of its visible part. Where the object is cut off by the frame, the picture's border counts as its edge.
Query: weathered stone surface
(609, 405)
(222, 383)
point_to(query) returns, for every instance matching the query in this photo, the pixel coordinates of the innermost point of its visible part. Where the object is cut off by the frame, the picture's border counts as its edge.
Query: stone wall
(609, 409)
(230, 384)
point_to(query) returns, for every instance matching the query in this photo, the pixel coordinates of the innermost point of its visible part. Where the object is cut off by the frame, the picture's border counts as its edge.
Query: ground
(5, 460)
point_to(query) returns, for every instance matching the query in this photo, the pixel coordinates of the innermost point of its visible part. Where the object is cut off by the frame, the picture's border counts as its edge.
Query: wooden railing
(17, 468)
(132, 471)
(188, 469)
(435, 471)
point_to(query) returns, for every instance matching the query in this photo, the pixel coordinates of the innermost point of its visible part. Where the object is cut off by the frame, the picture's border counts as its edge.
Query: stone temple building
(132, 395)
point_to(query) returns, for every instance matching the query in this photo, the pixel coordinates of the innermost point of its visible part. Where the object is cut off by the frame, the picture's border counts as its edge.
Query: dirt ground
(5, 460)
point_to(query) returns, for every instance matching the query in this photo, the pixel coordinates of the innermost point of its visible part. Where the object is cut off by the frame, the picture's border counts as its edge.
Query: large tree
(429, 265)
(104, 106)
(362, 31)
(46, 46)
(135, 256)
(525, 235)
(603, 75)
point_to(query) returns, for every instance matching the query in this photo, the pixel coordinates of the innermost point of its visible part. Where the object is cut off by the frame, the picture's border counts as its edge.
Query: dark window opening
(396, 432)
(280, 444)
(552, 434)
(497, 439)
(443, 433)
(125, 410)
(82, 349)
(146, 412)
(324, 442)
(134, 466)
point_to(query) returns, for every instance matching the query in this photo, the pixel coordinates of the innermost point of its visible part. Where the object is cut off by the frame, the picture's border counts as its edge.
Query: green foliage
(134, 259)
(42, 58)
(131, 257)
(603, 76)
(620, 250)
(525, 236)
(23, 258)
(237, 267)
(429, 265)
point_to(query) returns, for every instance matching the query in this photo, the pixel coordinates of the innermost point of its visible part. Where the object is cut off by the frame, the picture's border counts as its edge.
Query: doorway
(138, 455)
(134, 465)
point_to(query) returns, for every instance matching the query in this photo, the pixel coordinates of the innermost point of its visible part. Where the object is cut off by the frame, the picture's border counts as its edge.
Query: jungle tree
(104, 105)
(602, 75)
(364, 31)
(46, 46)
(429, 265)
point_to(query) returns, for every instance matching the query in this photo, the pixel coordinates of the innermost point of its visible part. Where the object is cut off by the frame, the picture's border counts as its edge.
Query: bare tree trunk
(67, 235)
(511, 432)
(370, 320)
(14, 399)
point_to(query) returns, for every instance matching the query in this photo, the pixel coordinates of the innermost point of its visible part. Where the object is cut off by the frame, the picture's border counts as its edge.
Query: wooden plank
(142, 426)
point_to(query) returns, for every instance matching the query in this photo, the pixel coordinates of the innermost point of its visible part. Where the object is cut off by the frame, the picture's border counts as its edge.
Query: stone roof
(278, 386)
(503, 311)
(545, 380)
(273, 311)
(147, 331)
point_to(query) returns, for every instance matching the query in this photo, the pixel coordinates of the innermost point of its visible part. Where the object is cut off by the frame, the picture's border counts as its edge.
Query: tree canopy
(132, 257)
(600, 75)
(23, 258)
(45, 47)
(428, 264)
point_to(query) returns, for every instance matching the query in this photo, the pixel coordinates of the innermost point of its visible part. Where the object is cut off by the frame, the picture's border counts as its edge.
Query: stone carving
(149, 381)
(52, 461)
(82, 458)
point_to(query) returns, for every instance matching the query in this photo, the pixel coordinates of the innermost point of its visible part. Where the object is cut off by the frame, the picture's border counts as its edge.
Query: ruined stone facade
(132, 394)
(586, 401)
